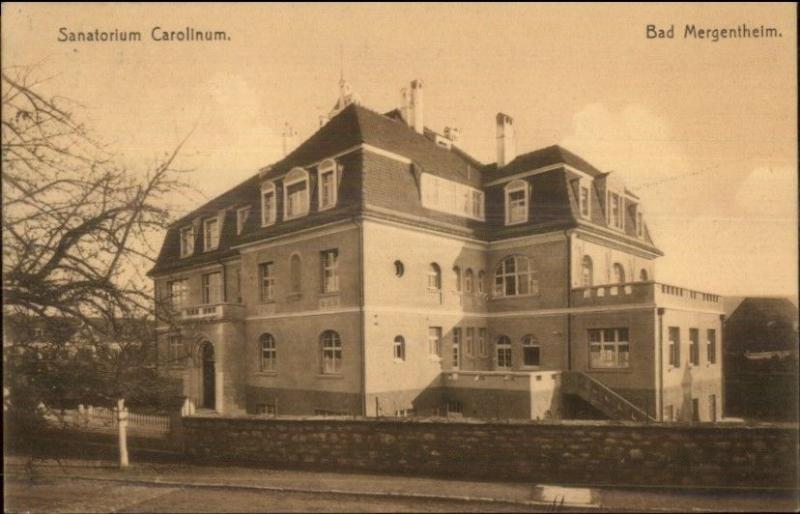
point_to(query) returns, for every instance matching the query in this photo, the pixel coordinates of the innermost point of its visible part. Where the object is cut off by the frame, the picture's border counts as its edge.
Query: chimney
(404, 101)
(415, 107)
(506, 140)
(289, 135)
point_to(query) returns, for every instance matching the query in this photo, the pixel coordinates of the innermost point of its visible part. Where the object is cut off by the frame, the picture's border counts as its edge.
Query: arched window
(618, 274)
(587, 271)
(469, 282)
(331, 349)
(516, 193)
(327, 180)
(269, 353)
(399, 348)
(295, 274)
(295, 194)
(503, 347)
(434, 276)
(457, 277)
(530, 351)
(399, 268)
(516, 275)
(643, 275)
(481, 282)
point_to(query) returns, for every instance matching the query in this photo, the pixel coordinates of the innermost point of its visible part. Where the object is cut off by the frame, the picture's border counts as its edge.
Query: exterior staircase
(602, 398)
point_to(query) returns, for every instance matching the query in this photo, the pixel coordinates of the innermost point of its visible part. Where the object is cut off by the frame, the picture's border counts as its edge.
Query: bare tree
(75, 224)
(76, 245)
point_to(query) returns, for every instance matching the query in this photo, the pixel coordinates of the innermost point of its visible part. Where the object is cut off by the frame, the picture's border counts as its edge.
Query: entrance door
(209, 389)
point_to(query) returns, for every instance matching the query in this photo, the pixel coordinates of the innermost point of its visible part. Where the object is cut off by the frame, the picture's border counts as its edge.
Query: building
(380, 270)
(761, 359)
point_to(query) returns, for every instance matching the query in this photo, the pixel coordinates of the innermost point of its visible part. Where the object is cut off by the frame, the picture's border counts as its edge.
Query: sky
(704, 132)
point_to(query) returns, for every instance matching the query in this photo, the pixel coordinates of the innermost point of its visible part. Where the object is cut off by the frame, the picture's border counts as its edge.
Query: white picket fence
(102, 419)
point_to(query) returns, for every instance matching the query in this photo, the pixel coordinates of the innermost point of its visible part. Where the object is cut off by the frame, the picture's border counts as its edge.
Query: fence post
(122, 418)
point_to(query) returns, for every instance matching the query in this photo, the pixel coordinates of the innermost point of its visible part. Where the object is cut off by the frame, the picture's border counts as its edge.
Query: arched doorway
(209, 385)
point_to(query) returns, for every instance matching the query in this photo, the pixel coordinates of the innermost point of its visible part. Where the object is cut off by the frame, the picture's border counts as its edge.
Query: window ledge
(266, 373)
(267, 302)
(330, 293)
(399, 361)
(330, 375)
(610, 370)
(286, 216)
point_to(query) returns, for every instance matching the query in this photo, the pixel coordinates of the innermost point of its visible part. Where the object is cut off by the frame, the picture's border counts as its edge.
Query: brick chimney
(415, 107)
(506, 139)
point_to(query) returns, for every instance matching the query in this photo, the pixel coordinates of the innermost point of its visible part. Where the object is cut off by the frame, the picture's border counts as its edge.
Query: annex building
(379, 270)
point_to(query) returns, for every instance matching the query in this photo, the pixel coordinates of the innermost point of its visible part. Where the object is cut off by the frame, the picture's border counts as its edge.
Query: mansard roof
(555, 197)
(540, 158)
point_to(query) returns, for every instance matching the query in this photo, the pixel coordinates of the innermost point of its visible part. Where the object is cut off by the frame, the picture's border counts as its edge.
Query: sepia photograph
(422, 257)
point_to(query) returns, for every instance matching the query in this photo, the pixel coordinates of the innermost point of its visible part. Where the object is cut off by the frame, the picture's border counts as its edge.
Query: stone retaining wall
(591, 453)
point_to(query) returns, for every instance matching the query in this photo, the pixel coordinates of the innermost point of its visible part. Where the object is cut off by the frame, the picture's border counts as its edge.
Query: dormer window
(614, 211)
(516, 202)
(584, 197)
(210, 234)
(327, 192)
(187, 241)
(295, 194)
(241, 217)
(268, 204)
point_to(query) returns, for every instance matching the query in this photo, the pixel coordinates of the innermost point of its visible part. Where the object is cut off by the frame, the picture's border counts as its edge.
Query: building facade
(379, 270)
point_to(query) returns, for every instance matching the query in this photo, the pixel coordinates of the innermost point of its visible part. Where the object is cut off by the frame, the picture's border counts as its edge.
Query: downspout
(660, 390)
(363, 317)
(720, 355)
(568, 234)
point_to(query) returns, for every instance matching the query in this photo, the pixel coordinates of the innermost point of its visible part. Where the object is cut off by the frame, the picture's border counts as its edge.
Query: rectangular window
(675, 346)
(175, 350)
(456, 362)
(177, 294)
(435, 341)
(695, 409)
(211, 234)
(269, 354)
(327, 189)
(452, 197)
(187, 241)
(482, 346)
(241, 217)
(268, 409)
(399, 348)
(669, 413)
(639, 225)
(615, 202)
(712, 408)
(296, 199)
(711, 346)
(584, 201)
(212, 288)
(530, 355)
(609, 348)
(329, 260)
(470, 341)
(266, 279)
(694, 347)
(268, 207)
